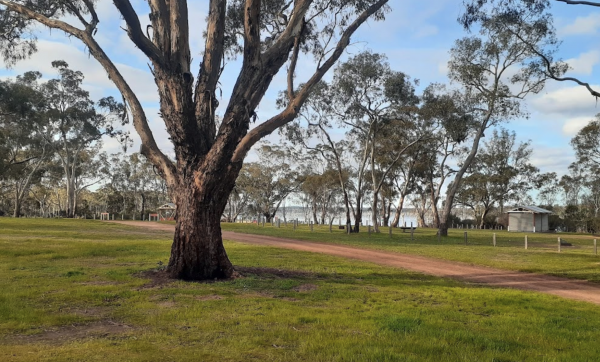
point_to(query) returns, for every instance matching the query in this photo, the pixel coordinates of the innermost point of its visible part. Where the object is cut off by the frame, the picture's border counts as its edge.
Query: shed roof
(533, 209)
(168, 206)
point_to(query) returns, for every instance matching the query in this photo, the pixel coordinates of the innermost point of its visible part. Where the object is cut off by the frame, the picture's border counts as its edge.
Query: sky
(416, 37)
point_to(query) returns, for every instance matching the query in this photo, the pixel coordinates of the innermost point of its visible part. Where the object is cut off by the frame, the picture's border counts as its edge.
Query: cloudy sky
(416, 37)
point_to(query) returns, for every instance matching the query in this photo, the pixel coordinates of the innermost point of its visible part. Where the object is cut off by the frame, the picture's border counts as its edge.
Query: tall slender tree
(482, 66)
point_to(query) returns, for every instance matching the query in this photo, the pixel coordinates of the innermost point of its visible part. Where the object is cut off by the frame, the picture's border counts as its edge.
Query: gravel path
(566, 288)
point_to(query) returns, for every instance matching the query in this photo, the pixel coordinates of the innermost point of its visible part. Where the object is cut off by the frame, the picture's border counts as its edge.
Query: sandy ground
(566, 288)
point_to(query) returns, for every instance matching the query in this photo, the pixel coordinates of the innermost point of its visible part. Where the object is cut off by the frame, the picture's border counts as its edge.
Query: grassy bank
(577, 261)
(74, 290)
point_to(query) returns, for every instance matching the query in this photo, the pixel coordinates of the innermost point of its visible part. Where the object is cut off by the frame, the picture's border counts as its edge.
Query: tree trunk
(357, 217)
(17, 211)
(374, 213)
(451, 193)
(399, 208)
(434, 208)
(143, 206)
(71, 203)
(197, 252)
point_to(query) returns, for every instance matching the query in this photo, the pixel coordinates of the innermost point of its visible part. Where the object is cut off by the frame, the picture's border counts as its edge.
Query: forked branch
(288, 114)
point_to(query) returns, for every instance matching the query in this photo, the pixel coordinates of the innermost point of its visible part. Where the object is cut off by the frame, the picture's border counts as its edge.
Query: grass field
(76, 290)
(577, 261)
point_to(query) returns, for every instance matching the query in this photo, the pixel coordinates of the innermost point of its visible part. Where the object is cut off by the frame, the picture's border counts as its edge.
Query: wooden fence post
(439, 235)
(525, 242)
(595, 248)
(494, 239)
(466, 242)
(412, 233)
(559, 244)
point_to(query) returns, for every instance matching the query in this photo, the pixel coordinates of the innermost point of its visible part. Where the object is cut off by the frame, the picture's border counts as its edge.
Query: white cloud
(585, 63)
(583, 25)
(552, 159)
(571, 101)
(574, 125)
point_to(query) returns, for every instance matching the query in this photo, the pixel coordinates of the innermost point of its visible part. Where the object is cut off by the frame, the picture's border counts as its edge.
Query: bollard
(559, 244)
(494, 240)
(412, 233)
(525, 242)
(466, 242)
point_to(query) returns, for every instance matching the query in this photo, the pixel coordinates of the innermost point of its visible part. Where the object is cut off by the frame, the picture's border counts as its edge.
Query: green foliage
(501, 173)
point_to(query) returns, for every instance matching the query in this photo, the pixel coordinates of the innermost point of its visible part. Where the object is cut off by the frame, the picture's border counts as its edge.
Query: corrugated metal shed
(534, 209)
(528, 219)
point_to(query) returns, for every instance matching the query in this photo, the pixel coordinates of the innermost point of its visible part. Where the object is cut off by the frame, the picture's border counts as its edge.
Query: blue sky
(416, 38)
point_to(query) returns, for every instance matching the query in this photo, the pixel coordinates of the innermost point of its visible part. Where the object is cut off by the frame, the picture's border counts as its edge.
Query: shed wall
(520, 222)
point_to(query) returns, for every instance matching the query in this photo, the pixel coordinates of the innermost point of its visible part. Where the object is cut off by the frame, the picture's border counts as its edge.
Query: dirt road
(566, 288)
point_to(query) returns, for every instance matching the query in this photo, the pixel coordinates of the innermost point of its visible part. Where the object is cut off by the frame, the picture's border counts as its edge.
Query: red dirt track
(566, 288)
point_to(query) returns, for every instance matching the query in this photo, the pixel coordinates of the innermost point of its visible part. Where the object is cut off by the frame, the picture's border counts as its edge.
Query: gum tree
(497, 70)
(266, 34)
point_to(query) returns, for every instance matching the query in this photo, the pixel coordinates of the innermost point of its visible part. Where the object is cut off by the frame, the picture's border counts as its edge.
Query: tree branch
(134, 30)
(293, 108)
(292, 69)
(149, 146)
(252, 31)
(569, 2)
(210, 70)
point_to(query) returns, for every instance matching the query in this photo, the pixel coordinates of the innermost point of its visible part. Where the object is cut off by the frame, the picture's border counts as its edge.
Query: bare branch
(210, 70)
(579, 2)
(134, 30)
(293, 108)
(292, 69)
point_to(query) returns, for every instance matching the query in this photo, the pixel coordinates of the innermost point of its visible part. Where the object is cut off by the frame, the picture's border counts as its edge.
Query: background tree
(477, 11)
(482, 64)
(269, 182)
(378, 105)
(23, 146)
(316, 120)
(76, 126)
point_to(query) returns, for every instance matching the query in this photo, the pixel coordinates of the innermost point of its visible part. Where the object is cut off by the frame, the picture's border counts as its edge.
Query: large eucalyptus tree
(266, 34)
(498, 69)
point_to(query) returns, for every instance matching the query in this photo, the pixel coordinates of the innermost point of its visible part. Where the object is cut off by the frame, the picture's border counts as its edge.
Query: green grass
(577, 261)
(65, 283)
